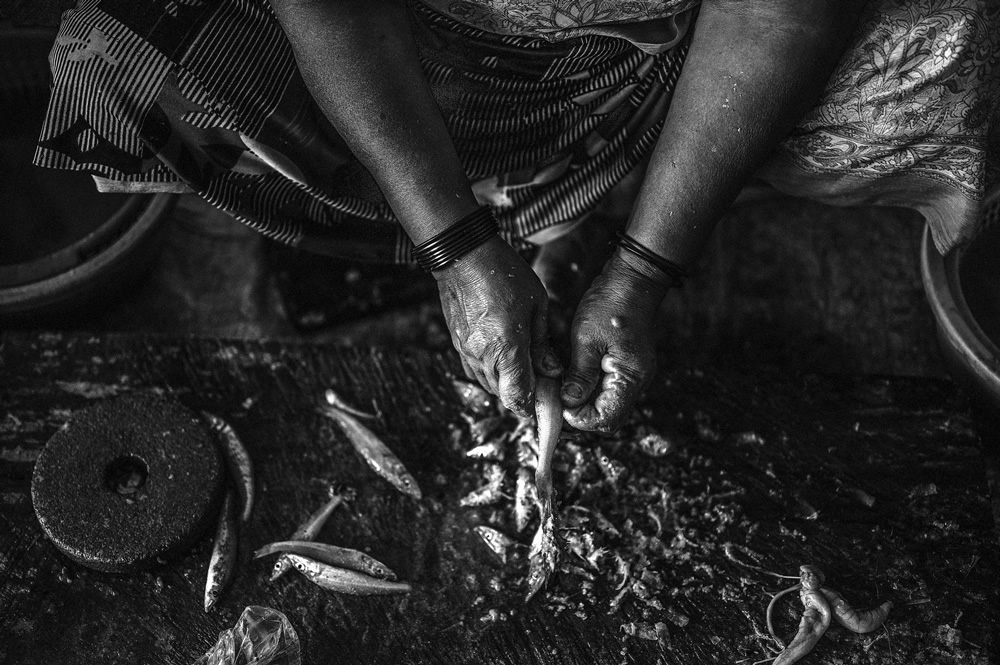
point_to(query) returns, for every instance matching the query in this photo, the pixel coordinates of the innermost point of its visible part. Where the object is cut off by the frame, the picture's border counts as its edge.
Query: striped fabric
(204, 95)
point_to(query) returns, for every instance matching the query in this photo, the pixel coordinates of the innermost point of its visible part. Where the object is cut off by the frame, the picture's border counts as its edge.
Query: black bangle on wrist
(457, 240)
(674, 272)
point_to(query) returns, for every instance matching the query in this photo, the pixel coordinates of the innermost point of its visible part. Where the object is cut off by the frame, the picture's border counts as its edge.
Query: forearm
(359, 61)
(753, 68)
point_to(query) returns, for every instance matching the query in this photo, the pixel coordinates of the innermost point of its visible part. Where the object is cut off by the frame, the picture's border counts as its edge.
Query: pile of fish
(617, 538)
(630, 533)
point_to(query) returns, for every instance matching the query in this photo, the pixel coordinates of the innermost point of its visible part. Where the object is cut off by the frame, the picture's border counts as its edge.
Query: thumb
(584, 371)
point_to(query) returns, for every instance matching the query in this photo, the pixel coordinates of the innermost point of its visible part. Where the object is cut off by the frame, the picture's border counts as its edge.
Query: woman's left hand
(613, 345)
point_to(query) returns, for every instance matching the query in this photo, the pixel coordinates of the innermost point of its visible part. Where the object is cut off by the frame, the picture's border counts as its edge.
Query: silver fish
(525, 498)
(655, 445)
(487, 495)
(378, 456)
(237, 460)
(224, 549)
(331, 554)
(340, 580)
(613, 470)
(480, 429)
(577, 468)
(337, 402)
(474, 398)
(492, 450)
(526, 444)
(543, 557)
(309, 529)
(496, 541)
(493, 474)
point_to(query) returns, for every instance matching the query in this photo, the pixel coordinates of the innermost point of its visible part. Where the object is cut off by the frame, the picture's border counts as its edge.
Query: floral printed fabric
(554, 19)
(910, 117)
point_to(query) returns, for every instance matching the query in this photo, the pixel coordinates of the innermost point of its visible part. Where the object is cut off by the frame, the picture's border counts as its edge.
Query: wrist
(458, 240)
(639, 283)
(475, 260)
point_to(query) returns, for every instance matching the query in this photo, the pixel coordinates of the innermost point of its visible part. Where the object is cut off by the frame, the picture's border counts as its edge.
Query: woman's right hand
(496, 310)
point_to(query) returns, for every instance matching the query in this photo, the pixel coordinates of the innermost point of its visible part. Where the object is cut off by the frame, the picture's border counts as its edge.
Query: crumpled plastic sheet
(262, 636)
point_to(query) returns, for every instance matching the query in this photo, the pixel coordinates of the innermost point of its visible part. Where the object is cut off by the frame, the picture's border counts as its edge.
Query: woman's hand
(613, 342)
(496, 312)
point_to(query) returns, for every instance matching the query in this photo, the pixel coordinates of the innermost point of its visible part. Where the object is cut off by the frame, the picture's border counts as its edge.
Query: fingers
(514, 378)
(584, 371)
(621, 384)
(543, 358)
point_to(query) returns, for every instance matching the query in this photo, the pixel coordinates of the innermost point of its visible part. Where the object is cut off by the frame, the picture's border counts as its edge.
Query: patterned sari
(548, 110)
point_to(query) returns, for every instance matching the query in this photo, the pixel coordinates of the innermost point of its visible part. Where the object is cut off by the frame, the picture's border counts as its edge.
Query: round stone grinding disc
(126, 481)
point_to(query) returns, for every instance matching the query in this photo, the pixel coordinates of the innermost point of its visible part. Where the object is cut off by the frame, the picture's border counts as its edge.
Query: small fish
(474, 398)
(577, 468)
(493, 474)
(655, 445)
(309, 529)
(224, 549)
(526, 444)
(525, 498)
(340, 580)
(378, 456)
(237, 460)
(613, 470)
(481, 429)
(331, 554)
(335, 400)
(487, 495)
(580, 543)
(492, 450)
(496, 541)
(543, 556)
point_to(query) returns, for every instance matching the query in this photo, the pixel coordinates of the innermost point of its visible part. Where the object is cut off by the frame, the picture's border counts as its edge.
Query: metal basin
(963, 289)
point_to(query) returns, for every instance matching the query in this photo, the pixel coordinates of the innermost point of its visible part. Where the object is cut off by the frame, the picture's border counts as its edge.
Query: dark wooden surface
(758, 450)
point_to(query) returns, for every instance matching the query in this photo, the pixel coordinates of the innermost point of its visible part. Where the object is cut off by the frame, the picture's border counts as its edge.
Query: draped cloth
(204, 96)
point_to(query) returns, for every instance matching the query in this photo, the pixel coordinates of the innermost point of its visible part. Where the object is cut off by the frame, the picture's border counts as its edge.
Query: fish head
(402, 479)
(279, 567)
(382, 571)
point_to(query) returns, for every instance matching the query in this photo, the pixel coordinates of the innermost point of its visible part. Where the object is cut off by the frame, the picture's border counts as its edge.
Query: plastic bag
(262, 636)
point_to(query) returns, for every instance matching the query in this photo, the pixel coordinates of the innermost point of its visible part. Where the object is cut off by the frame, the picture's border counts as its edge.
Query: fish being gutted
(544, 554)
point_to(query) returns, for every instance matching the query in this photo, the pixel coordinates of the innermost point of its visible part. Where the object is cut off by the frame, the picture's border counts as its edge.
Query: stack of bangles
(675, 273)
(457, 240)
